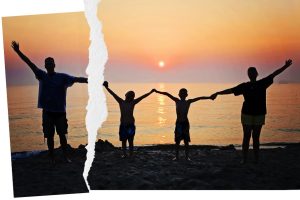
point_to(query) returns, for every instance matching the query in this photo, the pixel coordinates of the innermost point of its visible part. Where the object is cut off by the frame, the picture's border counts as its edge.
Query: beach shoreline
(271, 145)
(151, 167)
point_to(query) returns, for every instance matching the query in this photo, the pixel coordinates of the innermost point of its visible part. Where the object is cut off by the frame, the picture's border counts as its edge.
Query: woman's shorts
(253, 120)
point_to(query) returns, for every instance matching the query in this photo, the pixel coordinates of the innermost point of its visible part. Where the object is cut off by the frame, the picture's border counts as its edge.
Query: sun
(161, 64)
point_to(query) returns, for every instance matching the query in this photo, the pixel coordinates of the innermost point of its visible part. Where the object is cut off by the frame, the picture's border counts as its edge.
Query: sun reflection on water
(160, 109)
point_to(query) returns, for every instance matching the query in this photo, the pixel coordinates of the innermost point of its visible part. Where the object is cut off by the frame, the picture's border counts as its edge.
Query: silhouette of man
(182, 129)
(254, 107)
(52, 100)
(127, 126)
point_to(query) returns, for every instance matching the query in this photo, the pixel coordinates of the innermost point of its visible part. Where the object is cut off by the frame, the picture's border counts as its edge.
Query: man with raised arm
(52, 100)
(127, 126)
(182, 129)
(254, 107)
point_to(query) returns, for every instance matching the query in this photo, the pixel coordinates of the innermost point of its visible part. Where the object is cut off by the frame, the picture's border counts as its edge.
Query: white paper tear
(96, 108)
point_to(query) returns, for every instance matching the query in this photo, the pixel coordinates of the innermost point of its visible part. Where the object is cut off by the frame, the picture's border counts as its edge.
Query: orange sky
(65, 37)
(199, 40)
(200, 34)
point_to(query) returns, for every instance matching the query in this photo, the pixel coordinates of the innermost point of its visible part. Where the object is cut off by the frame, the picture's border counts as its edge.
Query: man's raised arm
(223, 92)
(16, 48)
(280, 70)
(168, 95)
(80, 80)
(117, 98)
(137, 100)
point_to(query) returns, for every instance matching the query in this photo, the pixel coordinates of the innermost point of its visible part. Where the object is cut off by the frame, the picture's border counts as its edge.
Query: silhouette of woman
(254, 107)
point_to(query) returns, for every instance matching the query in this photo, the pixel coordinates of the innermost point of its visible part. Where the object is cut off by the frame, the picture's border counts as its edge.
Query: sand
(211, 168)
(36, 175)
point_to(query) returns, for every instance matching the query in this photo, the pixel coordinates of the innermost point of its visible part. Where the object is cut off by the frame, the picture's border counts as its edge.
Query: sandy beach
(151, 167)
(211, 168)
(36, 175)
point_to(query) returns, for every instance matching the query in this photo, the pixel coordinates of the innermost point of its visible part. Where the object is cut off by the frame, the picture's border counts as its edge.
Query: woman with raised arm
(254, 107)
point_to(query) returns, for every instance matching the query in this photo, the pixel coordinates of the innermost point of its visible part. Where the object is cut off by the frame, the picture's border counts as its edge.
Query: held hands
(288, 62)
(153, 90)
(105, 84)
(213, 96)
(15, 46)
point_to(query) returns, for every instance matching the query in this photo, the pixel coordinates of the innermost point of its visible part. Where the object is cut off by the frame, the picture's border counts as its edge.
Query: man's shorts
(182, 132)
(126, 132)
(54, 121)
(253, 120)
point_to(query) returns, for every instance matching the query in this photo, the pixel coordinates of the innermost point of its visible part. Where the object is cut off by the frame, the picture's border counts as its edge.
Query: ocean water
(212, 122)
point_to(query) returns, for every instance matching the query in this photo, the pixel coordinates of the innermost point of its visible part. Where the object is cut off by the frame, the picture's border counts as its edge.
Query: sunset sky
(197, 41)
(65, 37)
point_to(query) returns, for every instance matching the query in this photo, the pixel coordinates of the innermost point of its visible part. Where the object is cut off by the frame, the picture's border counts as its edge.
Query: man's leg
(63, 142)
(61, 123)
(49, 129)
(64, 145)
(255, 137)
(130, 141)
(50, 144)
(247, 129)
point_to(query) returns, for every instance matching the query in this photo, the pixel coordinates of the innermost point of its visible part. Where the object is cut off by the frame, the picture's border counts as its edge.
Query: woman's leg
(247, 129)
(186, 145)
(255, 137)
(177, 143)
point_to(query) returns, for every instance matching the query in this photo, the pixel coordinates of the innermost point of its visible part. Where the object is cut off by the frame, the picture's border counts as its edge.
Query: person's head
(183, 93)
(49, 64)
(252, 73)
(129, 96)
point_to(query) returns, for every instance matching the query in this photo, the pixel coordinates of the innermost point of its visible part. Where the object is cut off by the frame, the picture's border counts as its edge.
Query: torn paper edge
(96, 108)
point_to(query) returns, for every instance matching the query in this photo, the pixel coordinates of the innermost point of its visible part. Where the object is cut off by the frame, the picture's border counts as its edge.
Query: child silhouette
(127, 121)
(182, 129)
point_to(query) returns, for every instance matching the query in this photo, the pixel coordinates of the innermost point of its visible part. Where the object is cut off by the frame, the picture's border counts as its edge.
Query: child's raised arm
(137, 100)
(117, 98)
(168, 95)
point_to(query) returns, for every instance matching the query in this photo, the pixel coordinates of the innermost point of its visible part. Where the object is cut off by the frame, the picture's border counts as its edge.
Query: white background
(29, 7)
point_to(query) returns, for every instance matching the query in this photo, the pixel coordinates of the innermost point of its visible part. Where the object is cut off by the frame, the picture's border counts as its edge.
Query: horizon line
(163, 82)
